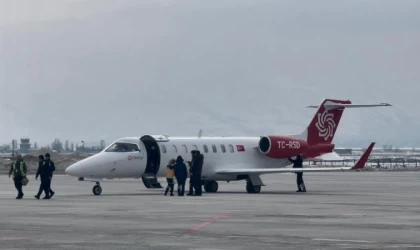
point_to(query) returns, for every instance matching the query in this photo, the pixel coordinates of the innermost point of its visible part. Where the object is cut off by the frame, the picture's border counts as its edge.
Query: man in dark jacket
(298, 163)
(43, 172)
(181, 175)
(51, 168)
(197, 167)
(190, 163)
(18, 171)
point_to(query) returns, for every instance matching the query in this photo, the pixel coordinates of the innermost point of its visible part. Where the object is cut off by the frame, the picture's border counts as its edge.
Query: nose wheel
(97, 190)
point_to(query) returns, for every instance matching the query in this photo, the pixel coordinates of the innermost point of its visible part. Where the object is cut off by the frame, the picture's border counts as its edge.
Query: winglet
(362, 161)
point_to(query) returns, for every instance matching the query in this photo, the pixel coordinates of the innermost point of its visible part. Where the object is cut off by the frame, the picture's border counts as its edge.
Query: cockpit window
(123, 147)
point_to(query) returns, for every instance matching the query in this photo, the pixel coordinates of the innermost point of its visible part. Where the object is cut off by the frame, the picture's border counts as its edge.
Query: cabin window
(163, 148)
(174, 149)
(223, 148)
(231, 148)
(214, 148)
(195, 147)
(206, 150)
(123, 147)
(185, 148)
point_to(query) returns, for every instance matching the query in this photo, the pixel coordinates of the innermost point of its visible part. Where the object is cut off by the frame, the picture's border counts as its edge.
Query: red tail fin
(324, 124)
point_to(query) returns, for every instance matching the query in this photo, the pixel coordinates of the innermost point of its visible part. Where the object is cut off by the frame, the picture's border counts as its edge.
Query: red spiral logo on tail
(325, 125)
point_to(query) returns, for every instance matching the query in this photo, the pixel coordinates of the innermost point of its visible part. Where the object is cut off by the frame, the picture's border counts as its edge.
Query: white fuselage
(218, 152)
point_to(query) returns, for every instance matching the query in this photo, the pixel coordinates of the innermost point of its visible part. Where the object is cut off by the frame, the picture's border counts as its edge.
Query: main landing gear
(97, 190)
(253, 185)
(211, 186)
(252, 189)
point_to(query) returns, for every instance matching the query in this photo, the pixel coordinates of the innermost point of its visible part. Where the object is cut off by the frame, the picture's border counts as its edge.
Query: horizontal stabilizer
(338, 105)
(359, 165)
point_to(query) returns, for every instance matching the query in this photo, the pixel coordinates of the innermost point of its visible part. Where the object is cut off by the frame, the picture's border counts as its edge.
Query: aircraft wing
(359, 165)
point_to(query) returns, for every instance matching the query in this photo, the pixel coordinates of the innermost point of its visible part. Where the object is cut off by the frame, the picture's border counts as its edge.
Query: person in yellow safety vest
(18, 170)
(170, 177)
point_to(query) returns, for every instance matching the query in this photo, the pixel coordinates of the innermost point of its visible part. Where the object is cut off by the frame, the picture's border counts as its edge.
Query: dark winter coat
(197, 165)
(297, 163)
(43, 171)
(49, 164)
(181, 172)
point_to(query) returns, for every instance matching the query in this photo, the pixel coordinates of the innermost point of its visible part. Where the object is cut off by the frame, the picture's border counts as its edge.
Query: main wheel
(97, 190)
(211, 186)
(251, 188)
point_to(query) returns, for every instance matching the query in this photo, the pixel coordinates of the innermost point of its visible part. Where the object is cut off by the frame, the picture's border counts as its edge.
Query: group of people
(178, 169)
(46, 167)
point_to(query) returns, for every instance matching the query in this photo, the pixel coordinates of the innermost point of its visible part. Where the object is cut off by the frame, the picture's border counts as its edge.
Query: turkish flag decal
(240, 148)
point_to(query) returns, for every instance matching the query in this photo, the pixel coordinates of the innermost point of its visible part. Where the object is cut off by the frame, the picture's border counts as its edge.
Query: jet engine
(282, 146)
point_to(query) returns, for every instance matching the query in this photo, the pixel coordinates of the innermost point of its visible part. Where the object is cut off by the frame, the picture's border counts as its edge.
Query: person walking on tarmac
(170, 173)
(181, 175)
(298, 163)
(197, 167)
(51, 168)
(18, 170)
(190, 164)
(45, 175)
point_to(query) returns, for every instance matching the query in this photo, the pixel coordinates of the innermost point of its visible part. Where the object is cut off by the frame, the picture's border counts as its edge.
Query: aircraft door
(153, 162)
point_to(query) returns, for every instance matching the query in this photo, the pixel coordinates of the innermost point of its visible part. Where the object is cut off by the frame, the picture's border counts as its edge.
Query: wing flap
(280, 170)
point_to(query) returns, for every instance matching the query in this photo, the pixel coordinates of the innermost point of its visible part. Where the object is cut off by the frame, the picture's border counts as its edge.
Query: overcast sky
(100, 69)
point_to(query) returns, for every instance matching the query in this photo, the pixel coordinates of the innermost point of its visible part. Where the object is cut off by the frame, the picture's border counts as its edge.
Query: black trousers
(18, 185)
(299, 179)
(44, 186)
(197, 185)
(170, 185)
(191, 186)
(49, 185)
(181, 187)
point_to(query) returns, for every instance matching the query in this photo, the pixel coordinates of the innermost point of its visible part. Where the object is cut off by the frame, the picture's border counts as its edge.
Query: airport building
(25, 145)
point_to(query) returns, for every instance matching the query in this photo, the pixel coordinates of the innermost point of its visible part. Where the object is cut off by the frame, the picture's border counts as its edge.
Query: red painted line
(206, 223)
(199, 226)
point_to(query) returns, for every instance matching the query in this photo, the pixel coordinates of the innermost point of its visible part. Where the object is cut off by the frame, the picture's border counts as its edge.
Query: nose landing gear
(97, 190)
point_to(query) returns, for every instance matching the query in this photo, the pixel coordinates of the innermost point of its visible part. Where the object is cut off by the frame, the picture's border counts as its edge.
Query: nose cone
(73, 170)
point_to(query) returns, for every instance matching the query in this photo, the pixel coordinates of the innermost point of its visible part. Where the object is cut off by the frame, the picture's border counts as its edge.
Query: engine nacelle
(282, 146)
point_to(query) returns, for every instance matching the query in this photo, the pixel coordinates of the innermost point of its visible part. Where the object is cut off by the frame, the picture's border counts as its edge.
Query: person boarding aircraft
(227, 158)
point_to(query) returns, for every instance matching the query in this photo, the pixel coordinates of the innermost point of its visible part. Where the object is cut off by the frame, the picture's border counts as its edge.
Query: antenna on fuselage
(200, 133)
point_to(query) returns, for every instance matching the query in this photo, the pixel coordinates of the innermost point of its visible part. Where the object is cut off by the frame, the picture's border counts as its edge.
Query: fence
(379, 163)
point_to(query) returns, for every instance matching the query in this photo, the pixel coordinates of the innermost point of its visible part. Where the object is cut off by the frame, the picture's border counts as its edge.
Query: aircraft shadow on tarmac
(160, 193)
(227, 193)
(288, 193)
(114, 194)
